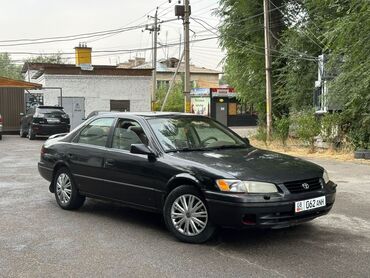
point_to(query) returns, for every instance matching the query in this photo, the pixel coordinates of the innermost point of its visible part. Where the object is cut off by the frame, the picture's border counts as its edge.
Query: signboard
(223, 92)
(200, 105)
(200, 92)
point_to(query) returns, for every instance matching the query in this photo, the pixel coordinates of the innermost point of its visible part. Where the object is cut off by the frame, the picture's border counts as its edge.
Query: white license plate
(310, 204)
(52, 120)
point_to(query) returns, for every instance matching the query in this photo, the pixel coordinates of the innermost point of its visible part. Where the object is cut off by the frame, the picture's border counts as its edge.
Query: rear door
(86, 156)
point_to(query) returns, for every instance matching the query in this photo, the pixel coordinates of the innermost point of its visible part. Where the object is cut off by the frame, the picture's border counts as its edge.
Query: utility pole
(187, 55)
(267, 69)
(154, 29)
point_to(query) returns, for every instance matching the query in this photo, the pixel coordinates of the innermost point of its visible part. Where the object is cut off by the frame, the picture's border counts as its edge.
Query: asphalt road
(38, 239)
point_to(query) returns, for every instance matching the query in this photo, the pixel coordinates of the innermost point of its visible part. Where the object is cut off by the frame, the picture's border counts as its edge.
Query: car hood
(253, 164)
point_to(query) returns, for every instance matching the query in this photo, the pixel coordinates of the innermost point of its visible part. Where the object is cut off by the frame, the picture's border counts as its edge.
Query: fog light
(249, 219)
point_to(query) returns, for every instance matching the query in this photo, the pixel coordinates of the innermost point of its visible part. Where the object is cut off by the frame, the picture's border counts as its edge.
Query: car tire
(191, 226)
(1, 137)
(65, 190)
(31, 134)
(22, 133)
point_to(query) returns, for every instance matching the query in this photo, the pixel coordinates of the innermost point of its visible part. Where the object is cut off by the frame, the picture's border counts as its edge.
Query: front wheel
(66, 193)
(186, 215)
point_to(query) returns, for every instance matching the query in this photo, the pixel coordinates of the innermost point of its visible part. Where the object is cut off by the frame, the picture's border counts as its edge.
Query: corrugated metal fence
(11, 105)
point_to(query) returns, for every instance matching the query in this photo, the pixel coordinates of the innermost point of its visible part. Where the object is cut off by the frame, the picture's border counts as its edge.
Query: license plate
(52, 120)
(310, 204)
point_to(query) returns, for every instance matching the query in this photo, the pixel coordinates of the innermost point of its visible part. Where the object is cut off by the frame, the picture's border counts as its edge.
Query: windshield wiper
(187, 150)
(227, 147)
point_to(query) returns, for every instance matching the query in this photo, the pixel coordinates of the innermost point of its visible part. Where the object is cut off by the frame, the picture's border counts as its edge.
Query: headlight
(65, 116)
(246, 186)
(325, 177)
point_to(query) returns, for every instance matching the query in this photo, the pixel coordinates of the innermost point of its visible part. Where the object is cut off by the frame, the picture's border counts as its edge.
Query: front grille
(297, 186)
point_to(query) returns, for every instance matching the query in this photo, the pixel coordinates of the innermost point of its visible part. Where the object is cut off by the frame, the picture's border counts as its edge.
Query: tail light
(43, 150)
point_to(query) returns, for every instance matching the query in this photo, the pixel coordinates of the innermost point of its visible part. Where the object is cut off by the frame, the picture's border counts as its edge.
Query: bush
(307, 127)
(261, 134)
(281, 129)
(331, 129)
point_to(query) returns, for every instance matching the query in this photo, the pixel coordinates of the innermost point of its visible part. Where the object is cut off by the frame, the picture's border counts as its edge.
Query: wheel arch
(57, 166)
(181, 179)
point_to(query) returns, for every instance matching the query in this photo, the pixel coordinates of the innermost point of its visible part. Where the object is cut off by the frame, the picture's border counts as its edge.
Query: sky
(31, 19)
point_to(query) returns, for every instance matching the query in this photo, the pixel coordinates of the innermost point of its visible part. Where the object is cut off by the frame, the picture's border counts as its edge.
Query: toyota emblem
(305, 185)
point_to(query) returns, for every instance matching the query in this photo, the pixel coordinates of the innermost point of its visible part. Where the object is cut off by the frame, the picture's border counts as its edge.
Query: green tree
(175, 100)
(8, 68)
(52, 59)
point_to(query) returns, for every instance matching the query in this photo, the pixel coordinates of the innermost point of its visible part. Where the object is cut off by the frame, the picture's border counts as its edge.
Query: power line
(77, 37)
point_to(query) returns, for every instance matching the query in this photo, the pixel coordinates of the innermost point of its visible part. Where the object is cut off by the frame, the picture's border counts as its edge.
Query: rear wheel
(66, 193)
(186, 215)
(31, 134)
(22, 133)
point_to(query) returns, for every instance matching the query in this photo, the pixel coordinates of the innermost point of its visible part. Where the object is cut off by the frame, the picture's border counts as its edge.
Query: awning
(12, 83)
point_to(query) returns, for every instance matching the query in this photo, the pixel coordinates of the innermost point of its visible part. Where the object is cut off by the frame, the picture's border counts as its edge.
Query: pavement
(103, 239)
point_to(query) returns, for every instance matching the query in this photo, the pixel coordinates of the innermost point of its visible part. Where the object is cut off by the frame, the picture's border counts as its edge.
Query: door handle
(109, 162)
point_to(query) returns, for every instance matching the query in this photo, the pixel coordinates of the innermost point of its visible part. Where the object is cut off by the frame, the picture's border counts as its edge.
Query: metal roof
(12, 83)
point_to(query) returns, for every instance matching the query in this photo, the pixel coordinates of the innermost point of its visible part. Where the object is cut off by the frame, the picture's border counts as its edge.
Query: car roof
(147, 114)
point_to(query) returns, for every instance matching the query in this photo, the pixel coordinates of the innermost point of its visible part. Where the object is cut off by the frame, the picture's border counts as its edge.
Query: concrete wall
(99, 90)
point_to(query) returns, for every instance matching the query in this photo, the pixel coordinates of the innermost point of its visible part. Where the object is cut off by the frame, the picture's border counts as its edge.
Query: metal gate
(75, 108)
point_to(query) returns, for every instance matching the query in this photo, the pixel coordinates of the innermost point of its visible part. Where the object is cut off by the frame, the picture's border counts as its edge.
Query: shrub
(331, 129)
(281, 129)
(307, 127)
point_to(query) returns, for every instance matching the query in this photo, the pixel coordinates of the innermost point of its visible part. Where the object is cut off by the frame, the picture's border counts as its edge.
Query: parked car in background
(44, 121)
(1, 127)
(196, 172)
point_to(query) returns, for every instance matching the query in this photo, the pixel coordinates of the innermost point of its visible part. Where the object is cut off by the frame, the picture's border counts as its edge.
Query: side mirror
(141, 149)
(246, 140)
(21, 114)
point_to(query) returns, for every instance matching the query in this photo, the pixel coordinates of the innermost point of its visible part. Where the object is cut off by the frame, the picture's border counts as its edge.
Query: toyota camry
(197, 173)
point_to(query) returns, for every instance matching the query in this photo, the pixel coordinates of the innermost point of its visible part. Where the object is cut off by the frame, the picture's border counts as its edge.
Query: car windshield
(193, 133)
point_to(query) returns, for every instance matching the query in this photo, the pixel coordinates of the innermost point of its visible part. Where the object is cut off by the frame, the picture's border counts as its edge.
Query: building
(82, 88)
(324, 102)
(12, 101)
(200, 77)
(222, 105)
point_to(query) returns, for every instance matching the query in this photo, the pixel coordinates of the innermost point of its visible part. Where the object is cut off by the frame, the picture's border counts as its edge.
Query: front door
(75, 108)
(133, 177)
(221, 112)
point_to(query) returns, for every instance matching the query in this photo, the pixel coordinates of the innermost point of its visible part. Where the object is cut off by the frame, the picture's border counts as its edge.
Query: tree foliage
(8, 68)
(301, 30)
(175, 100)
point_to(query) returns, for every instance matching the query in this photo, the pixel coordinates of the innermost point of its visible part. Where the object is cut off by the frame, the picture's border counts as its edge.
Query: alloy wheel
(64, 188)
(189, 215)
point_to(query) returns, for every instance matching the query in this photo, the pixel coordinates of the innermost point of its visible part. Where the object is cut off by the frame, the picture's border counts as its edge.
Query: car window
(193, 133)
(126, 133)
(96, 133)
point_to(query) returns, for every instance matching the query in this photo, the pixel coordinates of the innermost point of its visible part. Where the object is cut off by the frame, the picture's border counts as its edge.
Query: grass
(295, 148)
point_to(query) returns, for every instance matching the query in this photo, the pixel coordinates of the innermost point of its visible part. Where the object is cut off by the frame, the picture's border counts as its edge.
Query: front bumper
(49, 129)
(247, 211)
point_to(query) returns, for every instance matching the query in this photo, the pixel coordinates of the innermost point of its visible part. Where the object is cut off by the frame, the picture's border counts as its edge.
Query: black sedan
(196, 172)
(44, 121)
